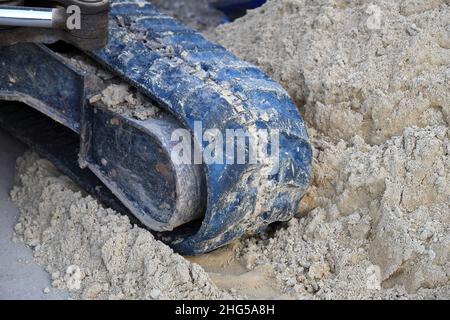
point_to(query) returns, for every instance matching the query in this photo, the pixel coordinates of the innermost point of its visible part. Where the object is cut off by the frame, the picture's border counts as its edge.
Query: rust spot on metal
(164, 170)
(115, 121)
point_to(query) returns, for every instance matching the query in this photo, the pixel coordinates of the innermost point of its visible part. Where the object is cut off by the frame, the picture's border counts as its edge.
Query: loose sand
(94, 252)
(372, 79)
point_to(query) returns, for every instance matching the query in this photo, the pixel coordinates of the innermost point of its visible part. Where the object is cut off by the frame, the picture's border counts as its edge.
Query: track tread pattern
(197, 80)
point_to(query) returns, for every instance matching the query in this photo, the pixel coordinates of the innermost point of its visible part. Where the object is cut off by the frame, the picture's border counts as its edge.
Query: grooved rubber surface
(197, 80)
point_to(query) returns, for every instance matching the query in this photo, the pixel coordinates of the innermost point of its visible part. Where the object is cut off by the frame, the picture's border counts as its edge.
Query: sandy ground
(372, 80)
(20, 276)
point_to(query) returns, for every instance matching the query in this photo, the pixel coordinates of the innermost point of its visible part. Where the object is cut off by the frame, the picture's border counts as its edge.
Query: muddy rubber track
(197, 80)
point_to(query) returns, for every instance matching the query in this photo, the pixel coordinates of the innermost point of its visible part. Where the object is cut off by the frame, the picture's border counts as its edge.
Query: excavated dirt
(106, 90)
(372, 79)
(122, 99)
(366, 68)
(94, 252)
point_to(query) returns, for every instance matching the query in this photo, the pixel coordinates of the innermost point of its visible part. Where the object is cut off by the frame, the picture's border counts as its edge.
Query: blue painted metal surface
(25, 76)
(130, 157)
(58, 144)
(192, 80)
(237, 8)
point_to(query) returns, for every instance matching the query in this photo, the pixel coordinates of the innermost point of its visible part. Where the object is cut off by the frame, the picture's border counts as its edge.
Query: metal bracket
(45, 21)
(130, 157)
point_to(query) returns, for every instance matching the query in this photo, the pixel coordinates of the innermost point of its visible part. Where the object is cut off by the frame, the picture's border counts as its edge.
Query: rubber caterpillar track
(195, 80)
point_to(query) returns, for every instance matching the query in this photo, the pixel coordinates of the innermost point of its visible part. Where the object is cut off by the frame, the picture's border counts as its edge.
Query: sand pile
(366, 68)
(107, 90)
(387, 223)
(94, 252)
(373, 81)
